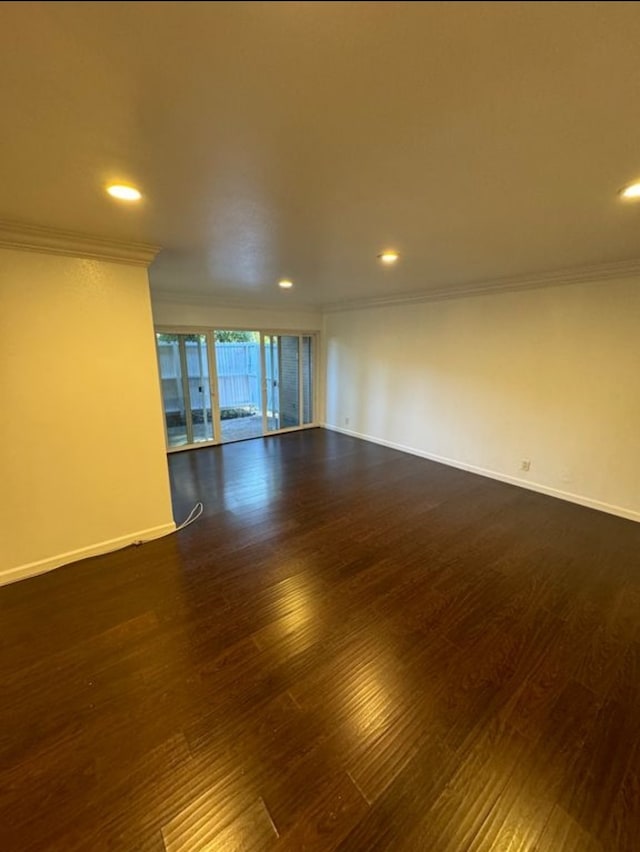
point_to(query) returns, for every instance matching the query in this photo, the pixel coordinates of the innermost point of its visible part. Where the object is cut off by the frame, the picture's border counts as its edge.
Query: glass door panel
(239, 384)
(306, 344)
(186, 388)
(199, 387)
(282, 364)
(173, 397)
(270, 348)
(289, 381)
(270, 345)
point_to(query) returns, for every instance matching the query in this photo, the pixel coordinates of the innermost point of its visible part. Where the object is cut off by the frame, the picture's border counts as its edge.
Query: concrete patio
(234, 429)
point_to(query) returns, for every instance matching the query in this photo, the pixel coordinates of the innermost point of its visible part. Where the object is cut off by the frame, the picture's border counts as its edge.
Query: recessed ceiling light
(631, 192)
(285, 284)
(124, 193)
(389, 256)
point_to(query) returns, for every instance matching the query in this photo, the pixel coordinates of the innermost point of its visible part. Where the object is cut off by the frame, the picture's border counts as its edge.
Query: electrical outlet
(346, 421)
(525, 464)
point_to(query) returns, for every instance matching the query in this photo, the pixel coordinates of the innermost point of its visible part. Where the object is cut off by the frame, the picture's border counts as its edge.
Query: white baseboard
(21, 572)
(620, 511)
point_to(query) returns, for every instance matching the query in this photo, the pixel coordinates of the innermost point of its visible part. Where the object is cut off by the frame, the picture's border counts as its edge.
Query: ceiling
(481, 140)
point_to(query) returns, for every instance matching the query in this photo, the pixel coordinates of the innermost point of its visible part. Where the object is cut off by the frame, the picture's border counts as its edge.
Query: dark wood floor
(353, 649)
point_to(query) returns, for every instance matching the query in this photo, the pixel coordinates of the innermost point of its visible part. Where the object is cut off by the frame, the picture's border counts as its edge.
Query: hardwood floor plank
(351, 649)
(125, 810)
(588, 793)
(394, 814)
(252, 831)
(471, 809)
(623, 828)
(563, 834)
(328, 820)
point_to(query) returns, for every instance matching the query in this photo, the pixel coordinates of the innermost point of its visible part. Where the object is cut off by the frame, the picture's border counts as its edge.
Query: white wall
(210, 316)
(551, 375)
(82, 454)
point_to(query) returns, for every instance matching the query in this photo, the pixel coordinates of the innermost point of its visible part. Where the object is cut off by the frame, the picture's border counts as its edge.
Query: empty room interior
(320, 457)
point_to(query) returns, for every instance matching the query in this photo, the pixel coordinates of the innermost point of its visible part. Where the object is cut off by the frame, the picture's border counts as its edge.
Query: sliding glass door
(289, 380)
(306, 376)
(228, 385)
(183, 362)
(239, 375)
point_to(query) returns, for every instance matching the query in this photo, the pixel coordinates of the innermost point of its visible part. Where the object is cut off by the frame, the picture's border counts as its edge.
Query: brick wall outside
(289, 377)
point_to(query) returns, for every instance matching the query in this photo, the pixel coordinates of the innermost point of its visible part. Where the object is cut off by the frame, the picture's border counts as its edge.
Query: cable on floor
(193, 515)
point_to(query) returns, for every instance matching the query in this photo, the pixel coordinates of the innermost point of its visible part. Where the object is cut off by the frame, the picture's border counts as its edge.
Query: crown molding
(201, 300)
(15, 235)
(574, 275)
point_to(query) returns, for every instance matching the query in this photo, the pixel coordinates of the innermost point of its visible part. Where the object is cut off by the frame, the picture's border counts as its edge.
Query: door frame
(172, 329)
(209, 333)
(314, 378)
